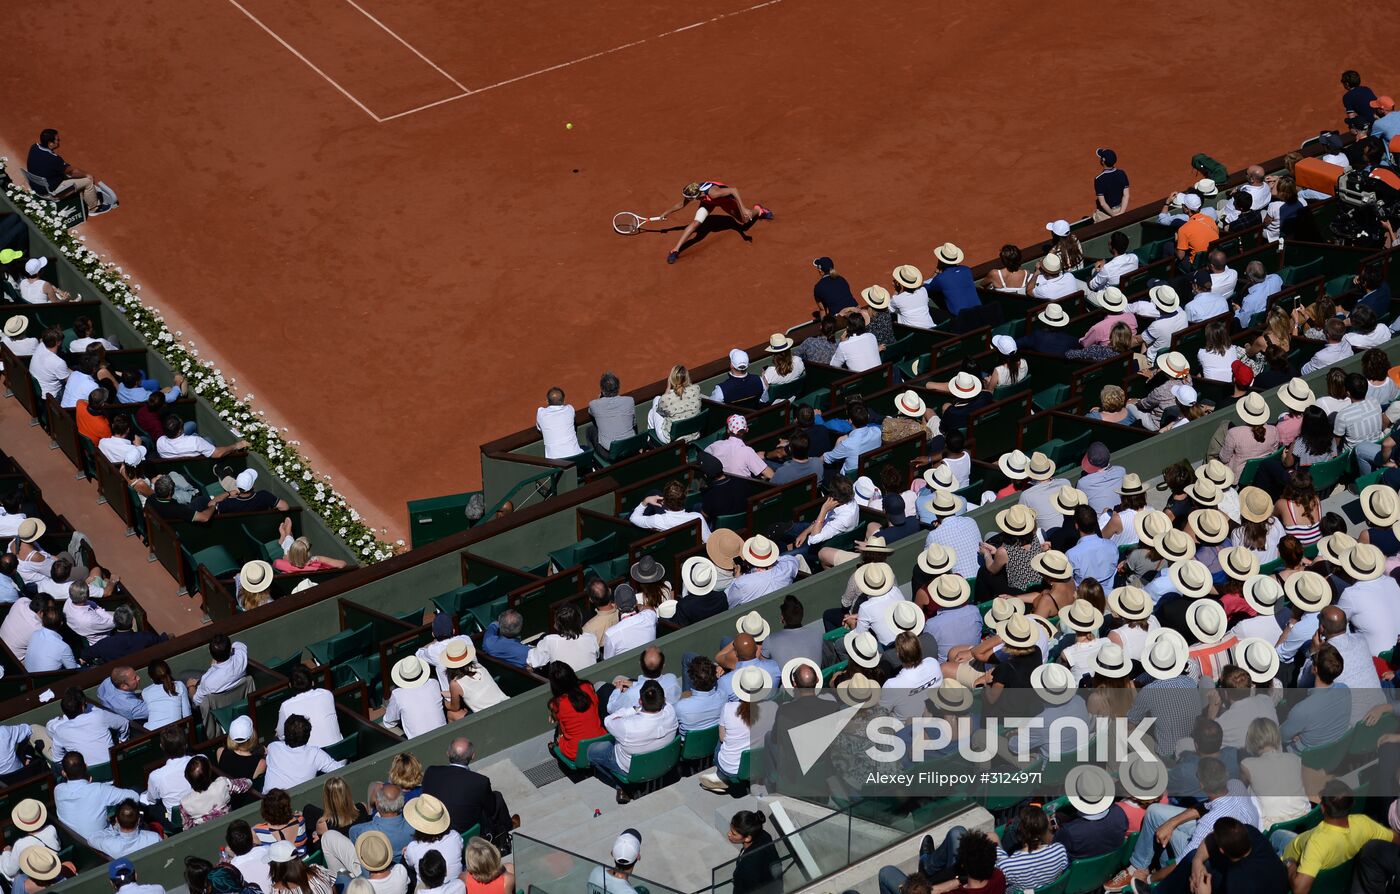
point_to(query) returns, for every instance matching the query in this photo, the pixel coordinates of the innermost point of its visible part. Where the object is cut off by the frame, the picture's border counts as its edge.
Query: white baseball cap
(241, 729)
(1191, 200)
(1005, 344)
(627, 847)
(34, 265)
(1185, 395)
(246, 479)
(1058, 227)
(739, 359)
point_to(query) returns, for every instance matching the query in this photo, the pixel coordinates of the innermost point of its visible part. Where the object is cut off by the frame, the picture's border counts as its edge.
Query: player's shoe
(762, 212)
(671, 258)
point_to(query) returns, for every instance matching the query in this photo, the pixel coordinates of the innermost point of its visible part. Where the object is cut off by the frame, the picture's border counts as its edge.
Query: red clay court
(369, 212)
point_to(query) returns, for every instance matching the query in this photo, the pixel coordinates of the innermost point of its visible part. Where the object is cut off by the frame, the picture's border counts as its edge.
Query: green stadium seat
(698, 746)
(343, 646)
(581, 761)
(1090, 874)
(347, 749)
(650, 768)
(1328, 473)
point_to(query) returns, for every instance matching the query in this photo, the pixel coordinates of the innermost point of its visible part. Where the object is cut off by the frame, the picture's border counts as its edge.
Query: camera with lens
(1367, 206)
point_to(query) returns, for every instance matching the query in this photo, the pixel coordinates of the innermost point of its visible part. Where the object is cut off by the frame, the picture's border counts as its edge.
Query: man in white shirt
(1158, 336)
(636, 627)
(85, 618)
(649, 726)
(248, 857)
(1051, 282)
(861, 349)
(176, 444)
(1205, 303)
(555, 421)
(1257, 189)
(877, 582)
(313, 703)
(293, 760)
(21, 622)
(119, 446)
(1110, 272)
(1336, 348)
(81, 383)
(1372, 600)
(14, 339)
(416, 702)
(1223, 277)
(84, 330)
(46, 367)
(226, 671)
(85, 729)
(166, 784)
(672, 514)
(1366, 332)
(916, 676)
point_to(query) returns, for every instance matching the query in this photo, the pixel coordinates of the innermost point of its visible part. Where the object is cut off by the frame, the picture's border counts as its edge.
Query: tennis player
(712, 195)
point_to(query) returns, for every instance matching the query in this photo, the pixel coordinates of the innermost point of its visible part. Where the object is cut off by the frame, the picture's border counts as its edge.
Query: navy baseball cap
(122, 868)
(1107, 156)
(1330, 140)
(442, 625)
(1202, 279)
(824, 264)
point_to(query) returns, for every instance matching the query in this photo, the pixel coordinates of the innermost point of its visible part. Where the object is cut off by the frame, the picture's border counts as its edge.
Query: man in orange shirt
(92, 417)
(1194, 236)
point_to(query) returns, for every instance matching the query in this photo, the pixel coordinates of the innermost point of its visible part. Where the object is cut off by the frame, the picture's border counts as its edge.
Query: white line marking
(627, 46)
(309, 64)
(411, 47)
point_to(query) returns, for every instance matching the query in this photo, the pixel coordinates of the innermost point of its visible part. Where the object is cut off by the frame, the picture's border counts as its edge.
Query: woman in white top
(910, 301)
(1278, 772)
(568, 643)
(1013, 367)
(736, 720)
(431, 832)
(860, 351)
(34, 290)
(166, 701)
(785, 367)
(1009, 277)
(470, 688)
(1217, 357)
(1132, 636)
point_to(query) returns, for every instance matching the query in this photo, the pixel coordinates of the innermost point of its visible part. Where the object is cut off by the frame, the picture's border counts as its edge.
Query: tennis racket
(626, 223)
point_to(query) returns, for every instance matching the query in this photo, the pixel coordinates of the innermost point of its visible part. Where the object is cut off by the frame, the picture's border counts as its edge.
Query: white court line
(411, 47)
(627, 46)
(309, 64)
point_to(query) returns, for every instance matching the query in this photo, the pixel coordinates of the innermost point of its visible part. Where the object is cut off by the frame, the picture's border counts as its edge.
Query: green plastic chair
(1300, 824)
(1364, 738)
(650, 768)
(1057, 886)
(1251, 468)
(1088, 875)
(580, 762)
(1366, 481)
(1334, 881)
(1327, 473)
(622, 448)
(346, 749)
(1327, 757)
(471, 833)
(786, 390)
(1050, 397)
(699, 745)
(225, 715)
(833, 670)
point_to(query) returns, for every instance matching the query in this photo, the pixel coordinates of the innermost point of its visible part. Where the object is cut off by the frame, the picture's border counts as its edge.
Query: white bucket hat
(1174, 364)
(1334, 546)
(940, 477)
(15, 326)
(948, 253)
(1069, 498)
(951, 697)
(945, 503)
(1051, 264)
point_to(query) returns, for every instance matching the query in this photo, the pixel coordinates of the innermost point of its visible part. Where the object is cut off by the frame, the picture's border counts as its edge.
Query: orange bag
(1314, 173)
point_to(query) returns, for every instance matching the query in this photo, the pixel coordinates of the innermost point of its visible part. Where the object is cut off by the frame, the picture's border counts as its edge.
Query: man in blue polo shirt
(1357, 100)
(45, 162)
(952, 289)
(1110, 187)
(832, 293)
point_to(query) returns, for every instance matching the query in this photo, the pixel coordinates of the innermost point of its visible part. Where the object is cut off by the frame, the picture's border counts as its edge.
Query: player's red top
(705, 200)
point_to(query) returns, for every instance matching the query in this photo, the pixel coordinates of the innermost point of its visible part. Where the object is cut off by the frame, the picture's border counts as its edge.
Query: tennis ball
(569, 126)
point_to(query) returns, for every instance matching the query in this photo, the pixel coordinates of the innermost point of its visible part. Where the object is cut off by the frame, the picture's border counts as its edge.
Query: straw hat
(1174, 364)
(1089, 789)
(908, 403)
(667, 609)
(754, 625)
(937, 559)
(40, 863)
(1053, 683)
(1018, 521)
(1363, 562)
(1258, 657)
(950, 591)
(1217, 473)
(951, 697)
(15, 326)
(1334, 546)
(778, 342)
(1208, 525)
(1069, 498)
(1002, 610)
(1052, 564)
(862, 648)
(1297, 395)
(752, 683)
(460, 652)
(875, 579)
(1165, 298)
(874, 544)
(374, 851)
(1142, 779)
(1053, 316)
(427, 814)
(723, 545)
(1262, 593)
(1239, 562)
(965, 386)
(1014, 465)
(1131, 485)
(877, 297)
(945, 503)
(410, 672)
(1380, 505)
(255, 577)
(1309, 591)
(1113, 300)
(31, 529)
(905, 617)
(940, 477)
(790, 669)
(1051, 631)
(1207, 621)
(1252, 409)
(948, 253)
(1039, 467)
(1203, 492)
(1051, 264)
(1130, 603)
(699, 575)
(1151, 525)
(759, 551)
(1165, 653)
(907, 276)
(1082, 617)
(1018, 632)
(29, 815)
(1109, 661)
(859, 691)
(1256, 505)
(1175, 546)
(1191, 578)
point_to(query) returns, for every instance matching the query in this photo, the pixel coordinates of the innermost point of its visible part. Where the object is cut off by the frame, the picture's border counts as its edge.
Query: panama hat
(29, 815)
(1151, 525)
(759, 551)
(950, 591)
(1297, 395)
(945, 503)
(907, 276)
(1380, 505)
(1131, 485)
(790, 669)
(1239, 562)
(1089, 789)
(1053, 683)
(1258, 657)
(15, 326)
(1256, 505)
(255, 577)
(1051, 631)
(948, 253)
(40, 863)
(940, 477)
(752, 683)
(427, 814)
(1207, 621)
(1082, 617)
(859, 691)
(1334, 546)
(1252, 409)
(31, 529)
(862, 648)
(937, 559)
(1053, 316)
(1130, 603)
(1262, 593)
(1206, 187)
(754, 625)
(1113, 300)
(777, 343)
(1203, 492)
(874, 544)
(1363, 562)
(1069, 498)
(410, 672)
(1014, 465)
(698, 575)
(877, 297)
(374, 851)
(1052, 564)
(1109, 661)
(1309, 591)
(951, 697)
(667, 609)
(1141, 778)
(1175, 546)
(1051, 264)
(1217, 473)
(1208, 525)
(908, 403)
(1003, 608)
(1018, 521)
(1039, 467)
(1174, 364)
(1165, 298)
(905, 617)
(1191, 578)
(1018, 632)
(965, 386)
(875, 579)
(722, 547)
(1165, 653)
